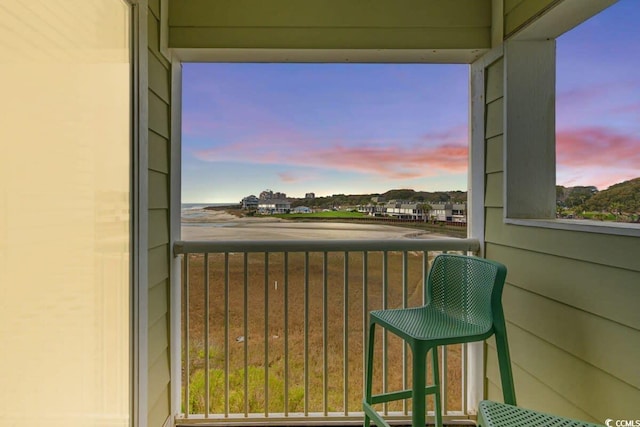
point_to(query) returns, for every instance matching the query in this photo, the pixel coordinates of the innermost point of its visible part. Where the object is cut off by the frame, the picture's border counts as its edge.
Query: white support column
(175, 214)
(474, 377)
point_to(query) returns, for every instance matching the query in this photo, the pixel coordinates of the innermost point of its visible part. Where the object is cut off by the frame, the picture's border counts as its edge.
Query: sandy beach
(201, 224)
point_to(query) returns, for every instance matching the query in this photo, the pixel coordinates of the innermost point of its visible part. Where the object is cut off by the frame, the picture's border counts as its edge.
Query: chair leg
(435, 366)
(369, 371)
(504, 362)
(419, 384)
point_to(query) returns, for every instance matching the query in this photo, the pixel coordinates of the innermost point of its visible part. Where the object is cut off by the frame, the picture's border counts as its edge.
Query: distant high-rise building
(310, 196)
(269, 194)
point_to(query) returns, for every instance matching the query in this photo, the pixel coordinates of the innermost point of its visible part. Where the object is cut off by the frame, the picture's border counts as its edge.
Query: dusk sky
(369, 128)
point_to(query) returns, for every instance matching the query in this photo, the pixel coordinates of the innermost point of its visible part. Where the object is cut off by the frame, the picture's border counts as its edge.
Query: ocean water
(196, 211)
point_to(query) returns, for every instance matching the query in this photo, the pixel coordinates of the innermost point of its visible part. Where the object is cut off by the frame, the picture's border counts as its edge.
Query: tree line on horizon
(619, 199)
(404, 194)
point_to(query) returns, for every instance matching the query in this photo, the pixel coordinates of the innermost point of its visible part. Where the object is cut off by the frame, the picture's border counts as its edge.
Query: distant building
(302, 209)
(310, 196)
(377, 207)
(459, 212)
(274, 206)
(269, 194)
(249, 202)
(448, 212)
(404, 210)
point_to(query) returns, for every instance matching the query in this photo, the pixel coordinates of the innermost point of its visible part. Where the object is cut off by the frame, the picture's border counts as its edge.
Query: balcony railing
(273, 331)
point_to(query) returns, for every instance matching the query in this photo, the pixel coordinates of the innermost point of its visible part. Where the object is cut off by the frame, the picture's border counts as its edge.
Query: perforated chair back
(463, 304)
(465, 288)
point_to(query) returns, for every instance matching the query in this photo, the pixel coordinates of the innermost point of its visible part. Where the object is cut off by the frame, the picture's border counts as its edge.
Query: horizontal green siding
(599, 289)
(158, 301)
(494, 159)
(509, 5)
(565, 327)
(158, 265)
(330, 24)
(517, 13)
(160, 409)
(554, 402)
(154, 8)
(589, 389)
(158, 333)
(158, 153)
(158, 190)
(159, 78)
(330, 38)
(159, 115)
(158, 220)
(495, 83)
(339, 13)
(495, 118)
(159, 379)
(493, 190)
(603, 249)
(159, 96)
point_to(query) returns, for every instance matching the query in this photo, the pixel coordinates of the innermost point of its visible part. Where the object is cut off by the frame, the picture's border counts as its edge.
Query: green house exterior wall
(518, 13)
(330, 24)
(159, 141)
(571, 302)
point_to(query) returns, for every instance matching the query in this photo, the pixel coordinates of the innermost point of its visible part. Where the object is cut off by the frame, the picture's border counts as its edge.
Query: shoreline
(218, 224)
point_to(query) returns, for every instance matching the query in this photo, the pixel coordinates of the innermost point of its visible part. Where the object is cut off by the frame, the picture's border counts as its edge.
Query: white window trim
(585, 226)
(175, 233)
(164, 30)
(475, 355)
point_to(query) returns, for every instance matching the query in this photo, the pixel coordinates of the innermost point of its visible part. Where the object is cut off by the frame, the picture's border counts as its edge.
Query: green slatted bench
(494, 414)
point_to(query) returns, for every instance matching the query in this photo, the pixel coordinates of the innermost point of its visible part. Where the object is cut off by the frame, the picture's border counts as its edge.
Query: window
(530, 122)
(598, 116)
(326, 130)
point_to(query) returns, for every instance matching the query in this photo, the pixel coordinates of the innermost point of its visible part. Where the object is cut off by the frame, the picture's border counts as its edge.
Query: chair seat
(426, 323)
(494, 414)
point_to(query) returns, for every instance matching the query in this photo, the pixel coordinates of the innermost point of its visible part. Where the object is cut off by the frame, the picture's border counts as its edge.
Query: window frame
(530, 145)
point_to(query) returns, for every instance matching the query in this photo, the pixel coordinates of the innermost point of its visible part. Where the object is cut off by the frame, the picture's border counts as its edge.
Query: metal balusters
(325, 334)
(207, 368)
(463, 377)
(346, 335)
(286, 333)
(425, 274)
(405, 346)
(186, 335)
(227, 391)
(266, 334)
(444, 378)
(306, 333)
(396, 278)
(365, 315)
(385, 289)
(246, 334)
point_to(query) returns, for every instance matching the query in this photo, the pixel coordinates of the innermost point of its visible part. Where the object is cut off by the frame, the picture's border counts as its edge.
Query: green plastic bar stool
(494, 414)
(464, 304)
